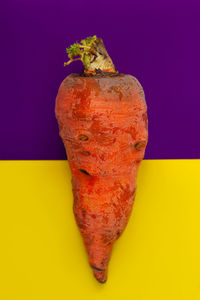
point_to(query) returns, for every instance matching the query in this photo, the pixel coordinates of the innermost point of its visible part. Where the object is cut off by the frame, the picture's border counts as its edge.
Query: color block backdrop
(42, 255)
(155, 41)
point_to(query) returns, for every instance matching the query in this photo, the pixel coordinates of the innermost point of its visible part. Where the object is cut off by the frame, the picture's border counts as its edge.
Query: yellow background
(42, 255)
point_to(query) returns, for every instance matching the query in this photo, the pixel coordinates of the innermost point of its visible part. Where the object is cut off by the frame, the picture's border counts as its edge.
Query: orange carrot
(102, 117)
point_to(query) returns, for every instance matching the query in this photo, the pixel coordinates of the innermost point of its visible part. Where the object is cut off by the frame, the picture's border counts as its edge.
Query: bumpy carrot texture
(103, 124)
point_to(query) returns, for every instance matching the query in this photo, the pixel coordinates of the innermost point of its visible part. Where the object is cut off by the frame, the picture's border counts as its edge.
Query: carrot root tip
(101, 276)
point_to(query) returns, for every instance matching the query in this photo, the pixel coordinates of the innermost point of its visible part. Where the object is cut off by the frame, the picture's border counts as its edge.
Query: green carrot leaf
(74, 50)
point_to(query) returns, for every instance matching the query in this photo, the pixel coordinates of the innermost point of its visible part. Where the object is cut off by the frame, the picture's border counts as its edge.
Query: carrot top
(91, 51)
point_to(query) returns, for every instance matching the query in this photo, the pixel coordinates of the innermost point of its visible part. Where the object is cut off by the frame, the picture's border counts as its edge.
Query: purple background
(156, 41)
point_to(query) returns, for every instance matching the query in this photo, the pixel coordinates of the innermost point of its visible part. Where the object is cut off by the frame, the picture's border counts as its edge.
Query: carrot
(102, 117)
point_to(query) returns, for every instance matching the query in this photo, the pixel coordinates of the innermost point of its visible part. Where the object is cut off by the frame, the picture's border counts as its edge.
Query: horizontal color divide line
(64, 160)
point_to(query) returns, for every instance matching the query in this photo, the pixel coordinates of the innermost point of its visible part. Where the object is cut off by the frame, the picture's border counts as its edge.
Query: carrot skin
(104, 127)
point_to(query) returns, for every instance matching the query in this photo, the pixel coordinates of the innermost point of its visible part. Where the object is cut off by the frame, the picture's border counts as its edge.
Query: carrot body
(103, 124)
